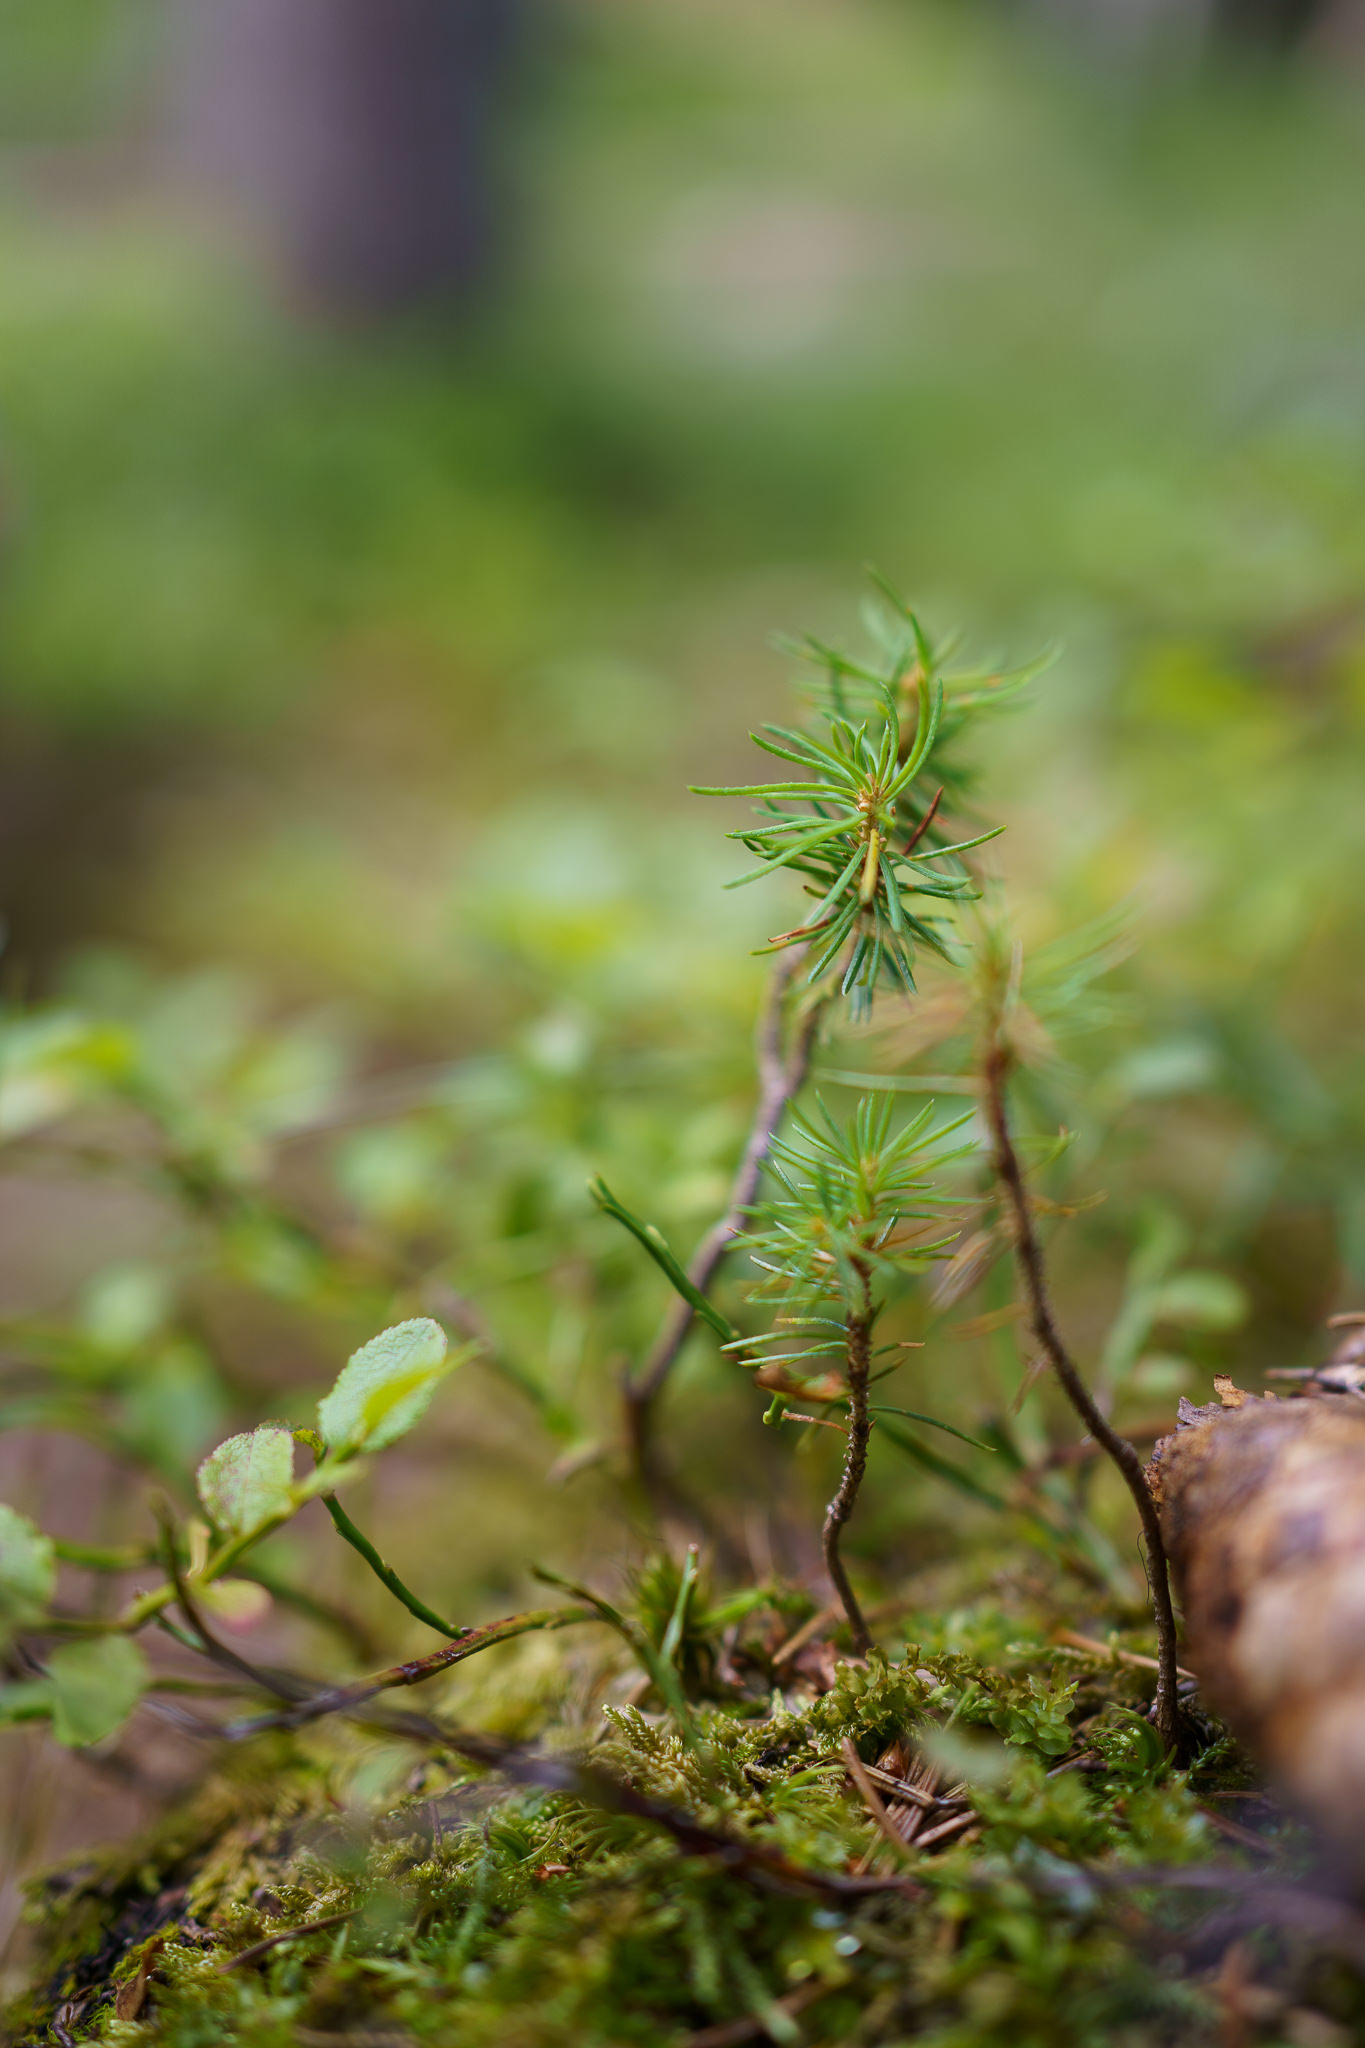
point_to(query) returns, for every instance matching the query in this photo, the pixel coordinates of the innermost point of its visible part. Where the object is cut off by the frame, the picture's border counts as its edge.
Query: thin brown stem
(262, 1948)
(781, 1073)
(925, 822)
(855, 1464)
(346, 1699)
(1029, 1258)
(284, 1686)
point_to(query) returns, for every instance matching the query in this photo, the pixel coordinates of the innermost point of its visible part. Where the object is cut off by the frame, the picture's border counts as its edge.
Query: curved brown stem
(781, 1074)
(855, 1464)
(345, 1699)
(1029, 1258)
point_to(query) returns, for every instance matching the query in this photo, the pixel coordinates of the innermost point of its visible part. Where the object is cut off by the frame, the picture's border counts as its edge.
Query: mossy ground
(481, 1913)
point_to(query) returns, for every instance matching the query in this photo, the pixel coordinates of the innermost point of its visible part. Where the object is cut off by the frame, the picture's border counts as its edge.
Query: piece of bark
(131, 1996)
(1262, 1507)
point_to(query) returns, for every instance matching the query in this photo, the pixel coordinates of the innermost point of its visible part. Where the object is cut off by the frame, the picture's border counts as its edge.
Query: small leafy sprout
(866, 828)
(247, 1488)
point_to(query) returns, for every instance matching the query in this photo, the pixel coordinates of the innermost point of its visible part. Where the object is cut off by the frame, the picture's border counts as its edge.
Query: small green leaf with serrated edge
(95, 1687)
(384, 1388)
(248, 1482)
(28, 1571)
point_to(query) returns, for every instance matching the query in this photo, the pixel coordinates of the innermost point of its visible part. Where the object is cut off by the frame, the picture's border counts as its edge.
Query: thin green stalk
(385, 1573)
(93, 1557)
(659, 1669)
(345, 1699)
(677, 1621)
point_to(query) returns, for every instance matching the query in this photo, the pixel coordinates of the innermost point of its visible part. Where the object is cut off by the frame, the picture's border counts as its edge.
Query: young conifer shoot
(855, 1209)
(868, 828)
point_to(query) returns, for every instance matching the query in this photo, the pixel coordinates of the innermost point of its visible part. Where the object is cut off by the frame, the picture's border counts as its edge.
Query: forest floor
(969, 1838)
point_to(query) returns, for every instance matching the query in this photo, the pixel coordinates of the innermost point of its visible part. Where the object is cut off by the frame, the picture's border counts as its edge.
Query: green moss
(482, 1914)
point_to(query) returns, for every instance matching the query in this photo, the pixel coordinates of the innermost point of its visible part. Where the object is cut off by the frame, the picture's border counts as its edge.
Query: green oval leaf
(384, 1388)
(95, 1687)
(28, 1571)
(248, 1482)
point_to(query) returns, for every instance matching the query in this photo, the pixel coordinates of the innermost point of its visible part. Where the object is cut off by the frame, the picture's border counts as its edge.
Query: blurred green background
(357, 647)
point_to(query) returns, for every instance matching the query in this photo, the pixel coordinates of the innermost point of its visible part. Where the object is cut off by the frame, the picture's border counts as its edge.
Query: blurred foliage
(1031, 333)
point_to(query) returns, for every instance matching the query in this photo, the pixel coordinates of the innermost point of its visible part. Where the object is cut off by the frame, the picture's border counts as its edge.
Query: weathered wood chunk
(1263, 1510)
